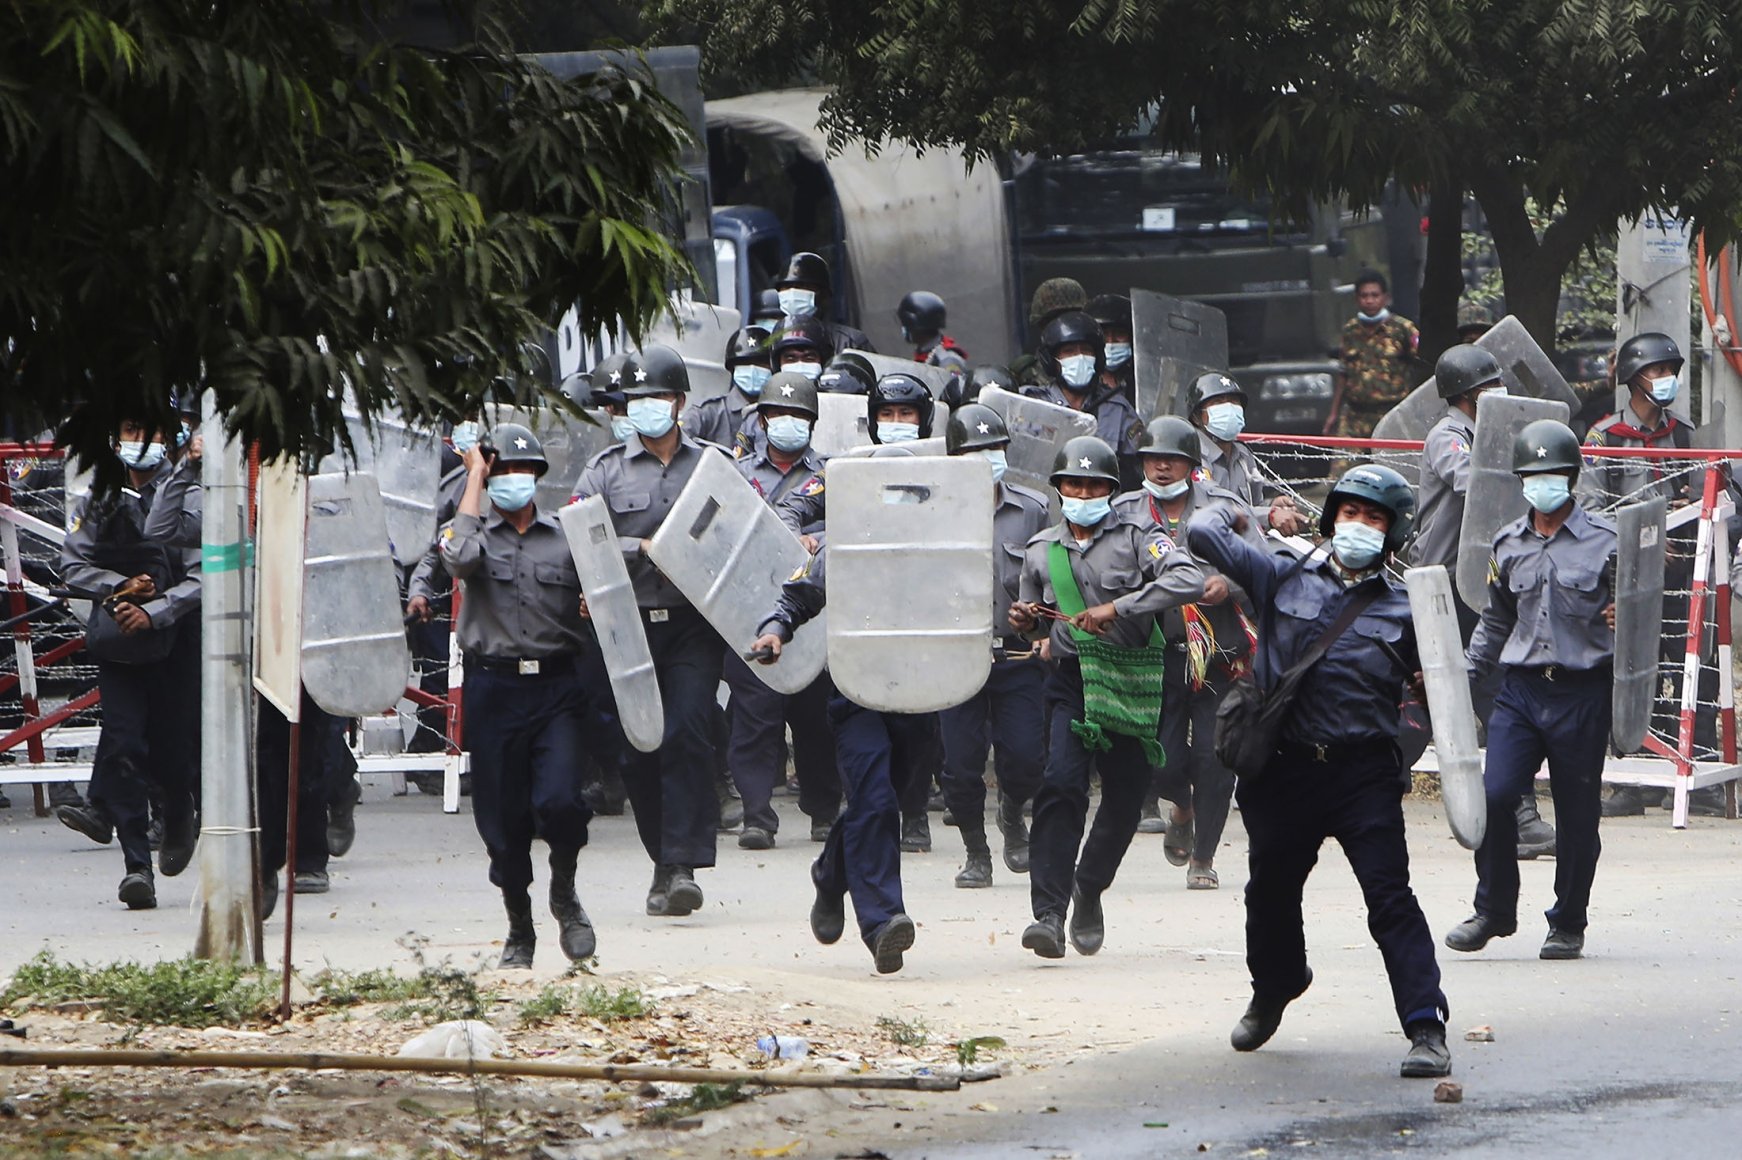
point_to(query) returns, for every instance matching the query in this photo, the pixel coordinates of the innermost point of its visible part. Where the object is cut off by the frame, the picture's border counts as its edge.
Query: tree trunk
(1442, 276)
(1531, 278)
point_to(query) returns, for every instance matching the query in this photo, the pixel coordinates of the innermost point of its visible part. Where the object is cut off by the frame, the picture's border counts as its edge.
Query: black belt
(1013, 648)
(561, 664)
(1604, 674)
(1337, 751)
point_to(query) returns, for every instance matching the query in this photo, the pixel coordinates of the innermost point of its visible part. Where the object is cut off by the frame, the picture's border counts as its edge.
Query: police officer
(1113, 313)
(847, 374)
(1106, 581)
(1217, 406)
(521, 633)
(326, 796)
(725, 419)
(1336, 772)
(1051, 298)
(786, 413)
(806, 289)
(1550, 625)
(922, 315)
(671, 789)
(1007, 715)
(1074, 356)
(144, 635)
(803, 346)
(983, 376)
(1209, 642)
(1378, 356)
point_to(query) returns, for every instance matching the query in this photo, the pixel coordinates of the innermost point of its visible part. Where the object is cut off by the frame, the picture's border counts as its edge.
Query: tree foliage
(268, 199)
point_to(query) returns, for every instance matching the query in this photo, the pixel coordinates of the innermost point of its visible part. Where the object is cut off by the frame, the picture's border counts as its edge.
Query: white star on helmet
(616, 378)
(1542, 453)
(640, 375)
(786, 390)
(983, 428)
(519, 443)
(1083, 462)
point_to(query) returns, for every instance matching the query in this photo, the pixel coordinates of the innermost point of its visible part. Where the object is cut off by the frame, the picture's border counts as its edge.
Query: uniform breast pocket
(1579, 592)
(624, 502)
(499, 567)
(557, 576)
(1010, 568)
(1116, 582)
(1298, 604)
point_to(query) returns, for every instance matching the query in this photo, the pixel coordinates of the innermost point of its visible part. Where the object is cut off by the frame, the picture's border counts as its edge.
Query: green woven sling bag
(1122, 687)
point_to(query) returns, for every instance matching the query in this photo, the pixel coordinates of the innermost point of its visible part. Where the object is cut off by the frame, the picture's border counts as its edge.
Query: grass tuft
(185, 992)
(904, 1032)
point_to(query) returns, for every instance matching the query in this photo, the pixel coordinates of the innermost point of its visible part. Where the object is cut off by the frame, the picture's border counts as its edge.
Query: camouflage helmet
(1473, 316)
(1055, 296)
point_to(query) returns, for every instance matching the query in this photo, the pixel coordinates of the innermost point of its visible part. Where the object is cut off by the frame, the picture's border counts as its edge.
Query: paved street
(1633, 1051)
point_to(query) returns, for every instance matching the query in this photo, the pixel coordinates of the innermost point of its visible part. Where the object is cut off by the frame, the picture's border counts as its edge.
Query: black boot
(1262, 1018)
(138, 890)
(1429, 1057)
(181, 833)
(90, 821)
(1088, 926)
(1045, 936)
(1015, 832)
(916, 834)
(1535, 836)
(578, 939)
(342, 819)
(518, 946)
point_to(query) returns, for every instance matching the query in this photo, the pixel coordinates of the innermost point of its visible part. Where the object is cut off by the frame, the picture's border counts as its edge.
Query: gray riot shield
(616, 620)
(1638, 619)
(569, 445)
(407, 466)
(1173, 342)
(840, 424)
(1038, 429)
(1448, 700)
(1525, 367)
(933, 446)
(899, 527)
(726, 550)
(355, 661)
(1495, 496)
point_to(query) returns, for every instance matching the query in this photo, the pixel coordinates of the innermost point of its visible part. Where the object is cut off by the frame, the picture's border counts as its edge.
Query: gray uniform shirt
(1140, 570)
(177, 508)
(640, 490)
(1020, 515)
(522, 593)
(83, 546)
(1445, 477)
(771, 482)
(1546, 596)
(1117, 423)
(1235, 469)
(724, 419)
(1140, 508)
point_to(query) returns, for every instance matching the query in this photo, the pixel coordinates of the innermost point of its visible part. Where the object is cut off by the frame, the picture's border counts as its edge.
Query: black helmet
(899, 387)
(807, 270)
(1379, 485)
(608, 380)
(1085, 457)
(658, 370)
(788, 389)
(1071, 326)
(920, 312)
(514, 443)
(749, 345)
(809, 331)
(1171, 435)
(185, 400)
(975, 428)
(848, 373)
(578, 389)
(1464, 368)
(767, 308)
(987, 375)
(1211, 387)
(1110, 310)
(1643, 350)
(1546, 445)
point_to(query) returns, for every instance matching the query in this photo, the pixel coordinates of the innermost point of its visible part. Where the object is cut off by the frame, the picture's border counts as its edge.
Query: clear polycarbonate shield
(840, 425)
(933, 446)
(726, 550)
(1495, 496)
(616, 620)
(1524, 366)
(407, 466)
(1173, 341)
(910, 580)
(936, 379)
(1447, 678)
(1641, 529)
(570, 443)
(355, 661)
(1038, 430)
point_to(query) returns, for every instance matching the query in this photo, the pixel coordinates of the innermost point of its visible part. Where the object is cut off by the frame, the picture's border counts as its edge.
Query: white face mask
(1225, 421)
(140, 456)
(1077, 370)
(789, 433)
(997, 459)
(1664, 389)
(897, 432)
(798, 303)
(1167, 490)
(809, 370)
(750, 379)
(651, 417)
(621, 427)
(465, 436)
(1118, 354)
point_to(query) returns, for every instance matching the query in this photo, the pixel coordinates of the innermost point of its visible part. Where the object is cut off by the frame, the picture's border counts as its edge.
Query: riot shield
(910, 581)
(1447, 677)
(1638, 619)
(726, 550)
(1038, 429)
(569, 445)
(355, 661)
(933, 446)
(936, 379)
(407, 466)
(1495, 496)
(616, 620)
(1173, 342)
(1525, 367)
(840, 424)
(699, 331)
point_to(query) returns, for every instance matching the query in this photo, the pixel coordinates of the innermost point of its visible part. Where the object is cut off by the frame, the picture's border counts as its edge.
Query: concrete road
(1633, 1051)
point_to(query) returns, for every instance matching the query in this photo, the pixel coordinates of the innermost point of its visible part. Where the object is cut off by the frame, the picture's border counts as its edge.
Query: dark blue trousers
(1192, 777)
(760, 717)
(150, 742)
(526, 738)
(1008, 717)
(877, 754)
(1356, 797)
(1565, 720)
(326, 770)
(672, 788)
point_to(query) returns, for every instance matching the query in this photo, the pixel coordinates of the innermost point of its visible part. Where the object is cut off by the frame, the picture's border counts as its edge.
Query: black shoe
(916, 835)
(522, 939)
(1262, 1018)
(657, 903)
(342, 819)
(1088, 926)
(311, 882)
(181, 834)
(755, 838)
(90, 821)
(828, 912)
(154, 833)
(1703, 803)
(1429, 1057)
(268, 896)
(1535, 836)
(820, 829)
(5, 802)
(1015, 833)
(1563, 944)
(949, 818)
(1046, 937)
(977, 873)
(1475, 932)
(731, 808)
(576, 930)
(888, 942)
(682, 894)
(1623, 802)
(138, 891)
(935, 804)
(1150, 820)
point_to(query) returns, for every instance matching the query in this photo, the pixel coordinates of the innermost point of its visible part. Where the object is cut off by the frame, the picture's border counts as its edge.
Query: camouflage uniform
(1378, 371)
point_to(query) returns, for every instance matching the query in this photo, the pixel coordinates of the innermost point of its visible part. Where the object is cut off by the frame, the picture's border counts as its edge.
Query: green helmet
(1379, 485)
(1464, 368)
(1473, 316)
(1171, 435)
(1085, 457)
(788, 389)
(657, 370)
(1208, 388)
(1545, 445)
(1055, 296)
(975, 427)
(514, 443)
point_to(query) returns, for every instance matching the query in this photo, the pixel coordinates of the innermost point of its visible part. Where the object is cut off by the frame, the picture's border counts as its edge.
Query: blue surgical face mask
(621, 427)
(182, 436)
(1664, 389)
(809, 370)
(897, 432)
(1118, 354)
(749, 379)
(140, 456)
(651, 417)
(513, 491)
(465, 436)
(997, 459)
(1547, 492)
(798, 303)
(1167, 490)
(1225, 421)
(1384, 313)
(1078, 370)
(1086, 513)
(1357, 545)
(789, 433)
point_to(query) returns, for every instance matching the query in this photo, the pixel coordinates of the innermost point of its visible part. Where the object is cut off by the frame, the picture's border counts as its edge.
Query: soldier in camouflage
(1378, 354)
(1051, 298)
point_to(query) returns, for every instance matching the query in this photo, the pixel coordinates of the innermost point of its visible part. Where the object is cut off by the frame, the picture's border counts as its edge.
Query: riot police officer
(1217, 406)
(806, 289)
(521, 633)
(922, 316)
(983, 376)
(672, 788)
(847, 374)
(1051, 298)
(1335, 771)
(1073, 354)
(1007, 715)
(803, 346)
(724, 419)
(1113, 313)
(1550, 625)
(1104, 580)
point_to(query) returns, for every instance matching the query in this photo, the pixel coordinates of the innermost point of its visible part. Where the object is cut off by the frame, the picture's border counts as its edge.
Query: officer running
(1074, 356)
(1217, 406)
